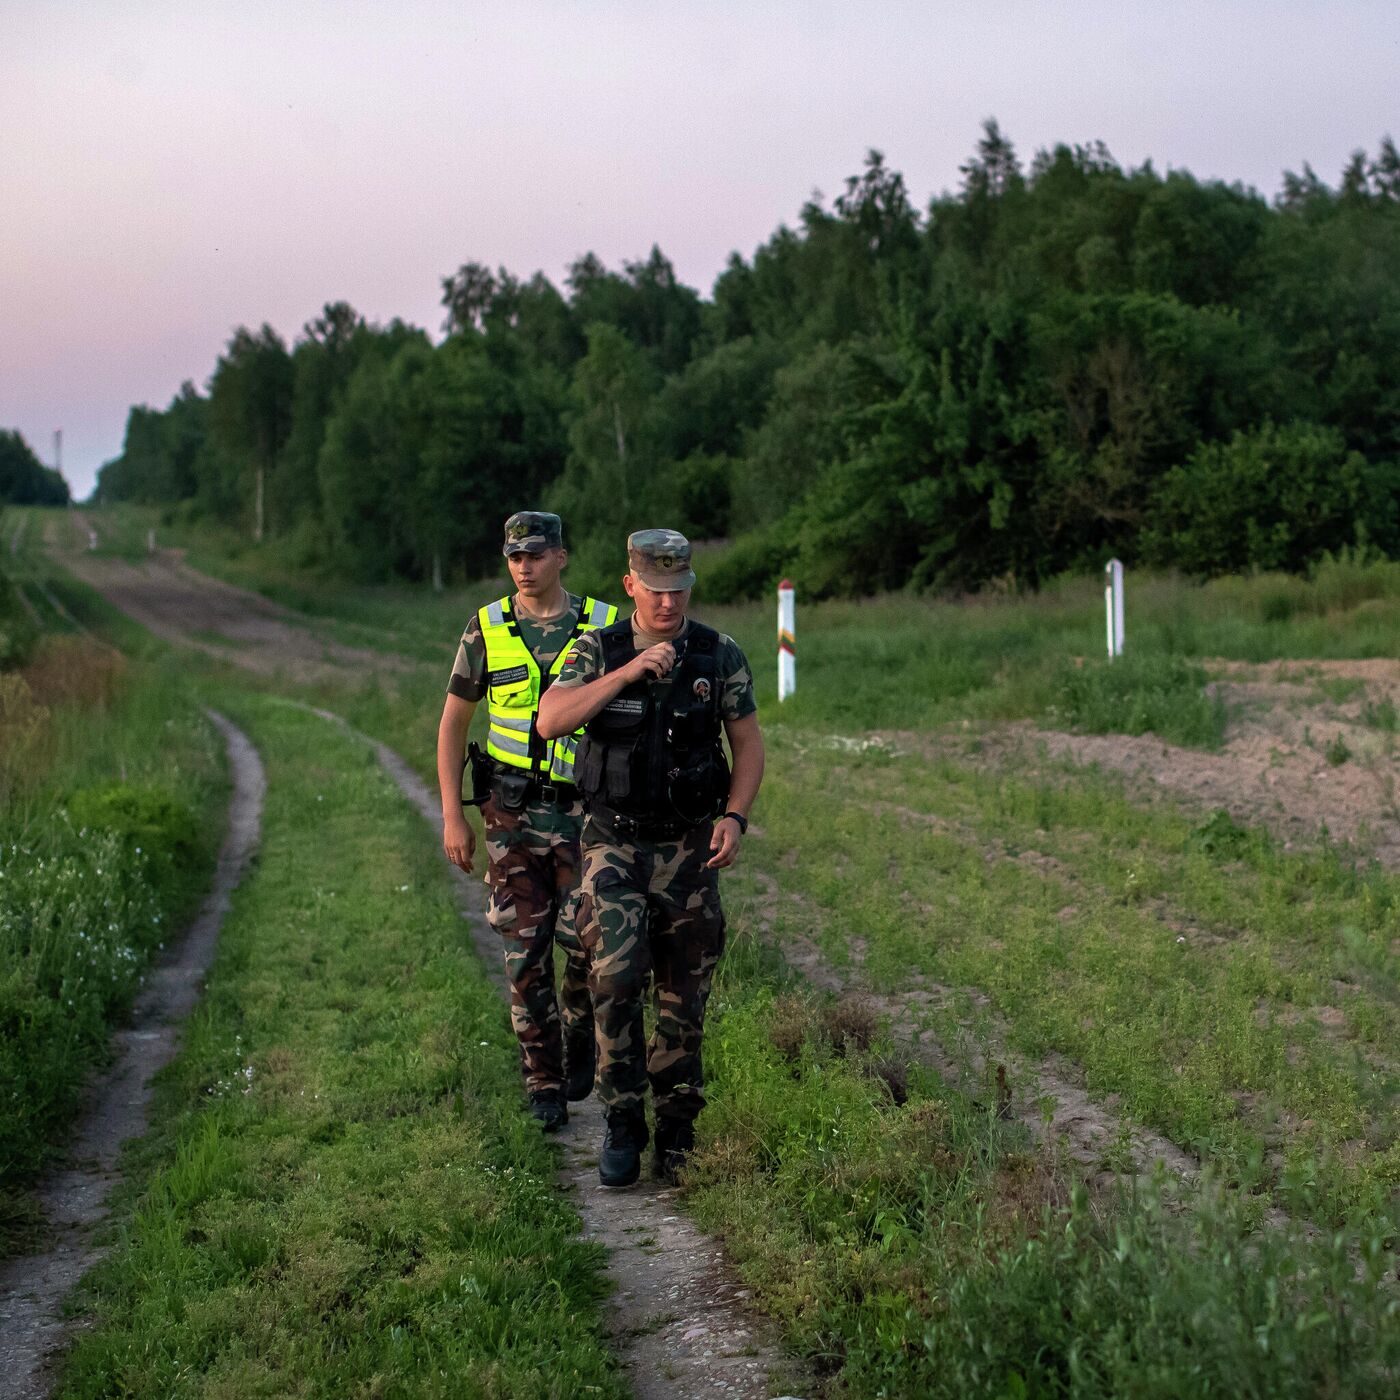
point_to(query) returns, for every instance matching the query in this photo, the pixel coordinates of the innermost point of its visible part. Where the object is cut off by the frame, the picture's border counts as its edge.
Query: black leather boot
(580, 1062)
(675, 1139)
(620, 1161)
(548, 1109)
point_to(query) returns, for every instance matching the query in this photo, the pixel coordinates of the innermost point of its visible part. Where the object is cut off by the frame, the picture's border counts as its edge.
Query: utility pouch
(512, 790)
(698, 788)
(479, 768)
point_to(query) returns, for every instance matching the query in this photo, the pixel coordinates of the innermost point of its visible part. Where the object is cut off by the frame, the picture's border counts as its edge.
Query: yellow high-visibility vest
(514, 687)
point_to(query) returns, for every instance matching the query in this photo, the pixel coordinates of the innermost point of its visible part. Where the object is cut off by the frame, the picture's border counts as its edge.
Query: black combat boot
(675, 1138)
(548, 1109)
(620, 1161)
(580, 1062)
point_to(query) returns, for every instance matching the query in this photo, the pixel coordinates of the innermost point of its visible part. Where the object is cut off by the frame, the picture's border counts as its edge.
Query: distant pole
(150, 541)
(58, 449)
(787, 640)
(1113, 606)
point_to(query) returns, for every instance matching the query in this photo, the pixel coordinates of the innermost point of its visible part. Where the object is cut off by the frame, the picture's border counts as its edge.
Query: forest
(24, 479)
(1059, 362)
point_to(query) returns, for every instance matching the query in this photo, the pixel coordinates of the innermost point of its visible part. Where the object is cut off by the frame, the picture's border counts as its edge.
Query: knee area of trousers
(623, 982)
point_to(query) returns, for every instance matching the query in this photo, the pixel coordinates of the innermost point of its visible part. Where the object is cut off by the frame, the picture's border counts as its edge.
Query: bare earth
(1273, 770)
(33, 1286)
(188, 608)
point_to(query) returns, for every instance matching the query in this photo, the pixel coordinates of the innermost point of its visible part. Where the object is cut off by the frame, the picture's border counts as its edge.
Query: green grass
(1209, 1034)
(1163, 695)
(927, 1249)
(343, 1194)
(1239, 997)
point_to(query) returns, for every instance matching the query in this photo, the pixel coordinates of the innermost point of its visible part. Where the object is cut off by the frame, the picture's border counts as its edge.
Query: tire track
(680, 1325)
(32, 1287)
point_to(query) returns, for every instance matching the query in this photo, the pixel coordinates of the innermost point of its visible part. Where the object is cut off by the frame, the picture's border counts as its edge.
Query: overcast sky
(169, 171)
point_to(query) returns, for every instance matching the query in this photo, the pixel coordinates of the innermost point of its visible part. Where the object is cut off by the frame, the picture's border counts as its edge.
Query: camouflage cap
(530, 531)
(661, 559)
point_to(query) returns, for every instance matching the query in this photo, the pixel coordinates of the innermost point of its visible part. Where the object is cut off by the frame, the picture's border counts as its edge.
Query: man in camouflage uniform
(665, 815)
(509, 654)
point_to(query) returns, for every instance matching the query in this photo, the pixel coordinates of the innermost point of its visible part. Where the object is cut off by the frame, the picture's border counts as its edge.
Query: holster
(480, 768)
(512, 789)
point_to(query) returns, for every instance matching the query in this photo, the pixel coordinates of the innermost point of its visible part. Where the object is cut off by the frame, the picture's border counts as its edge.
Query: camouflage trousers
(532, 874)
(650, 910)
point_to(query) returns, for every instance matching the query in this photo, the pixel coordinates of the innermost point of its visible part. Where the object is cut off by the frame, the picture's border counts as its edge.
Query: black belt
(538, 789)
(621, 824)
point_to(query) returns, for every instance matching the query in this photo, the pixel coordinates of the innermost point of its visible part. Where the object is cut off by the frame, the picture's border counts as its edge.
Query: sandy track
(679, 1323)
(32, 1287)
(191, 609)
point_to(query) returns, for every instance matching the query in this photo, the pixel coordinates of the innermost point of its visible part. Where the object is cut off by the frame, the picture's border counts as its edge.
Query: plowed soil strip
(680, 1325)
(32, 1287)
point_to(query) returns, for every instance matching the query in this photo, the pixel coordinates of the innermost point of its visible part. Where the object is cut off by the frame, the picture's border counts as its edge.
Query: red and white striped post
(787, 639)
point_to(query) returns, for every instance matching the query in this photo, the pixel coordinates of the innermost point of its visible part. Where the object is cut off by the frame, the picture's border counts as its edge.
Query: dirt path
(191, 609)
(32, 1287)
(679, 1322)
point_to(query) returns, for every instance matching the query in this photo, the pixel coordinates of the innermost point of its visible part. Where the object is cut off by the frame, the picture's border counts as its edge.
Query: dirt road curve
(191, 609)
(33, 1286)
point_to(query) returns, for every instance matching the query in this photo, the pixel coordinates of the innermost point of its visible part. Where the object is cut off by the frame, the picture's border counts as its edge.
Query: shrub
(79, 915)
(1274, 497)
(750, 568)
(1163, 695)
(1220, 835)
(145, 821)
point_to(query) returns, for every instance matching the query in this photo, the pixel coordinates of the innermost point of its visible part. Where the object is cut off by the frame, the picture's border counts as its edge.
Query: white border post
(787, 639)
(1113, 606)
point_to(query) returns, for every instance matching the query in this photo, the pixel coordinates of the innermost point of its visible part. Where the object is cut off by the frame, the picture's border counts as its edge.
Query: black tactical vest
(653, 752)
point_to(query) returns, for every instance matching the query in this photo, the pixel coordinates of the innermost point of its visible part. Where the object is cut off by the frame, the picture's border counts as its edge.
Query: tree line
(1056, 363)
(24, 479)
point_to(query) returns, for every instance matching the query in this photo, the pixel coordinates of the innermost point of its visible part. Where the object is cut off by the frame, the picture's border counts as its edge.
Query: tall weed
(1162, 695)
(105, 843)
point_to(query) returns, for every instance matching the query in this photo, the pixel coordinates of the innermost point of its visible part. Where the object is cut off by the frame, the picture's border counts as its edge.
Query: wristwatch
(741, 819)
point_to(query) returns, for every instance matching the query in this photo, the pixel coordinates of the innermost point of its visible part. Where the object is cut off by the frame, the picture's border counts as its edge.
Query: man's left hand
(724, 842)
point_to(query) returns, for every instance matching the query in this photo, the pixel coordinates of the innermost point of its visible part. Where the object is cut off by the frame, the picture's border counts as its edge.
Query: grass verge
(915, 1245)
(113, 787)
(343, 1194)
(1197, 978)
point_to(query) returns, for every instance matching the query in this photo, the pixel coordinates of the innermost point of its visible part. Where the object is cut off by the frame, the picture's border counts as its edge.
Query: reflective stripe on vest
(513, 690)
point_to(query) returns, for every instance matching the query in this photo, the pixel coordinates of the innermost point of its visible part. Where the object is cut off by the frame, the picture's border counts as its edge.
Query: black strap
(617, 644)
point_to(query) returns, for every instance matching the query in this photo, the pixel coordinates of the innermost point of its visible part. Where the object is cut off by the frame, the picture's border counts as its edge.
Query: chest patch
(629, 706)
(510, 675)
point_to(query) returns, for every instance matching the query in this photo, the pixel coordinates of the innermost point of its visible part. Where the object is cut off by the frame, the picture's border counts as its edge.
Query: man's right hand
(653, 662)
(458, 841)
